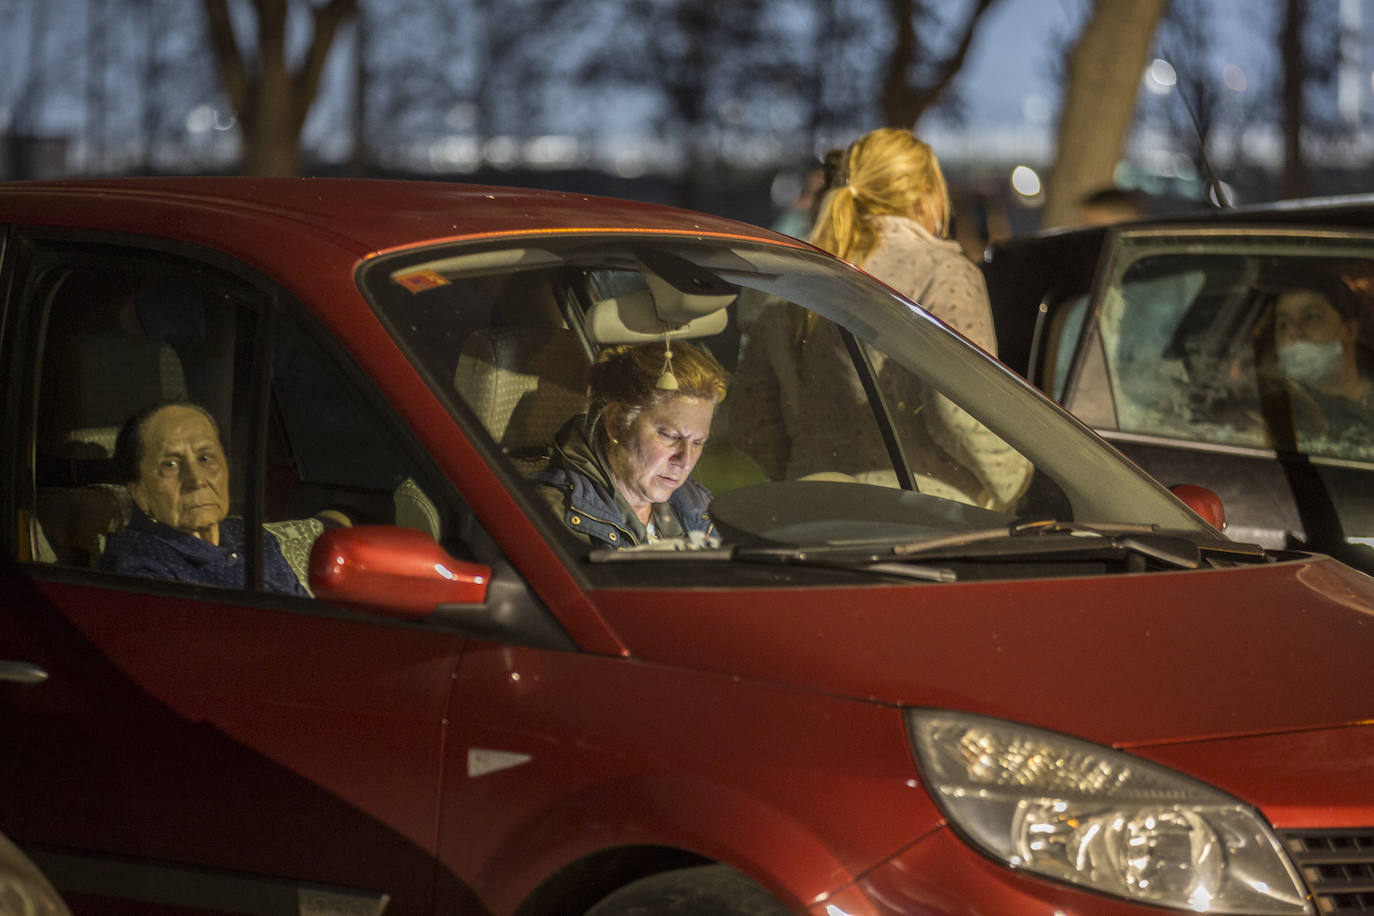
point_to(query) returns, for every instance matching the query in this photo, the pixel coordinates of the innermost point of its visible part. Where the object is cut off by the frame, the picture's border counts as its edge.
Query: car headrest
(94, 382)
(523, 382)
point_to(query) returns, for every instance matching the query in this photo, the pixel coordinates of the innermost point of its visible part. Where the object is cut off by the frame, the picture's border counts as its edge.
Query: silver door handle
(21, 672)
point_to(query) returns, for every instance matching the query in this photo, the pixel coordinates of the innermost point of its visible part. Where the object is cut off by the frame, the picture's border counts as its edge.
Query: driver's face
(660, 449)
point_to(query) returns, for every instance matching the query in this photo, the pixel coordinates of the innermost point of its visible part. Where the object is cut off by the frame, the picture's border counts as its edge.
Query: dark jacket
(147, 547)
(578, 486)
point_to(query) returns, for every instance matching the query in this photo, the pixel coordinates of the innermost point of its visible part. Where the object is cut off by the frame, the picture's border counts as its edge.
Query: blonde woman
(886, 210)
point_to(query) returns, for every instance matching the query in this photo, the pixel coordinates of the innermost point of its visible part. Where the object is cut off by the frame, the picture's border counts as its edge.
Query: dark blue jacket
(146, 547)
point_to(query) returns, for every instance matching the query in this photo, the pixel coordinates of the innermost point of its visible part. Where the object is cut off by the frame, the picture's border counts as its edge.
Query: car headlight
(1092, 816)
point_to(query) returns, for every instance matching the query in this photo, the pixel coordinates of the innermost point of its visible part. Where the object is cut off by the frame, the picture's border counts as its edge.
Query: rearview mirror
(396, 571)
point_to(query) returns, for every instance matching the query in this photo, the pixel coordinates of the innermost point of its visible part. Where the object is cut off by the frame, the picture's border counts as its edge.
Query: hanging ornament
(667, 381)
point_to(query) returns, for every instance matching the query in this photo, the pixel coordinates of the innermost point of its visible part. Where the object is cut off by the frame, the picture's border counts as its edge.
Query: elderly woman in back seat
(619, 473)
(171, 458)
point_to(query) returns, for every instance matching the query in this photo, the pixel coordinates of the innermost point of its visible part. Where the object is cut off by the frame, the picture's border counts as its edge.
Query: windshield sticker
(421, 280)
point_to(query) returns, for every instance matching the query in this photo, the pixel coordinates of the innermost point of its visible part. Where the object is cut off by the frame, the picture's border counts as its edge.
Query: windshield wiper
(1025, 541)
(824, 556)
(1026, 538)
(819, 556)
(827, 556)
(986, 549)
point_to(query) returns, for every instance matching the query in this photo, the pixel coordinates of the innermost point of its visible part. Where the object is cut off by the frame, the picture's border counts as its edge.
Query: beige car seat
(92, 383)
(523, 383)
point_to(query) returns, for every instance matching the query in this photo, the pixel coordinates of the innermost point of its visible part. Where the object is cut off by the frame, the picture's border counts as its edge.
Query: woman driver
(619, 473)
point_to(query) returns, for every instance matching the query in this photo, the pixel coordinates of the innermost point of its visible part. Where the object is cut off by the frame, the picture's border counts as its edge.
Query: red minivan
(875, 688)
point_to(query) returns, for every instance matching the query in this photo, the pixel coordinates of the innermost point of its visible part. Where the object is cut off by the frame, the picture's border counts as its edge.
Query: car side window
(1263, 348)
(1066, 326)
(114, 331)
(332, 458)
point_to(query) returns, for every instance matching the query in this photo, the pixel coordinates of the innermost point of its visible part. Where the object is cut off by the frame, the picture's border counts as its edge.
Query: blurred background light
(1160, 77)
(1025, 181)
(200, 119)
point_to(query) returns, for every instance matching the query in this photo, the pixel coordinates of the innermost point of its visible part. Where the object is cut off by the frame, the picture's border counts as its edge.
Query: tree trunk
(273, 100)
(1099, 103)
(360, 158)
(97, 44)
(1294, 76)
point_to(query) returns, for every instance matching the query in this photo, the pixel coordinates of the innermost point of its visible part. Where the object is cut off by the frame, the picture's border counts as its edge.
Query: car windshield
(851, 416)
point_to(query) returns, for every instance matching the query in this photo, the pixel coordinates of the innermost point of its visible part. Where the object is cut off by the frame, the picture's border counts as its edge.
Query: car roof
(1350, 210)
(365, 215)
(1354, 211)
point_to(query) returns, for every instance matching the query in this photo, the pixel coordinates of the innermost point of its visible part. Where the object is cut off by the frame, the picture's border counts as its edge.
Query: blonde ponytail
(840, 226)
(886, 172)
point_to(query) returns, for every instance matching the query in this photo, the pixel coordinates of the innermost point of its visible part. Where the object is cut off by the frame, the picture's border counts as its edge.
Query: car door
(167, 745)
(1173, 358)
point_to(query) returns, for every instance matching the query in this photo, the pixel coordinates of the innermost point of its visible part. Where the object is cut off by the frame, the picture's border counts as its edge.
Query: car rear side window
(1261, 343)
(114, 332)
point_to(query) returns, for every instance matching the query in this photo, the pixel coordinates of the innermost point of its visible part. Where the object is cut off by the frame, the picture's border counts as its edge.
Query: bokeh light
(1160, 77)
(1025, 181)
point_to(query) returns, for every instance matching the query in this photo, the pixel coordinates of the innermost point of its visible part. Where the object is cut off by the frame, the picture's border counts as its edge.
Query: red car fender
(715, 821)
(649, 768)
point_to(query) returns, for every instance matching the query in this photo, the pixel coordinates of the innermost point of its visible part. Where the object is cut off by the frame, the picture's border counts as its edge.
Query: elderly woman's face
(660, 448)
(183, 479)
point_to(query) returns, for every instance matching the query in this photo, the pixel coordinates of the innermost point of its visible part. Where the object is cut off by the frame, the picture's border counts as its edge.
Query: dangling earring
(667, 381)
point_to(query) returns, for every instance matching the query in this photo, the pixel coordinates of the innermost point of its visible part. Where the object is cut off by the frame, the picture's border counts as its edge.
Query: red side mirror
(1204, 502)
(398, 571)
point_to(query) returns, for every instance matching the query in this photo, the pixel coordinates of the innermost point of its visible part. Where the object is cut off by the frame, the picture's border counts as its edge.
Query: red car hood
(1301, 780)
(1123, 660)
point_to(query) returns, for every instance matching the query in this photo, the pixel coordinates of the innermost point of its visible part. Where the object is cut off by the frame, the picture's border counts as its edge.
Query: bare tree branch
(228, 56)
(271, 100)
(305, 84)
(903, 103)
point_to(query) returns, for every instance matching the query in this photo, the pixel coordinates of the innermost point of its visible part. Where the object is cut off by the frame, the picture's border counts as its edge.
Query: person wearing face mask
(620, 473)
(1317, 349)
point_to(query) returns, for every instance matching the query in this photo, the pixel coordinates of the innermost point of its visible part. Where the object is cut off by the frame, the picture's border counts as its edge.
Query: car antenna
(1219, 195)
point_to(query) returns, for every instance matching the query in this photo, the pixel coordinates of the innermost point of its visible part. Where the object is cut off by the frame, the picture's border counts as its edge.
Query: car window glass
(114, 332)
(510, 334)
(527, 341)
(1263, 348)
(332, 457)
(1065, 328)
(771, 411)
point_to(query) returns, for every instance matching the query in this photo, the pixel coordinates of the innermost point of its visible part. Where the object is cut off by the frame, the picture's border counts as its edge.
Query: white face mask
(1310, 363)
